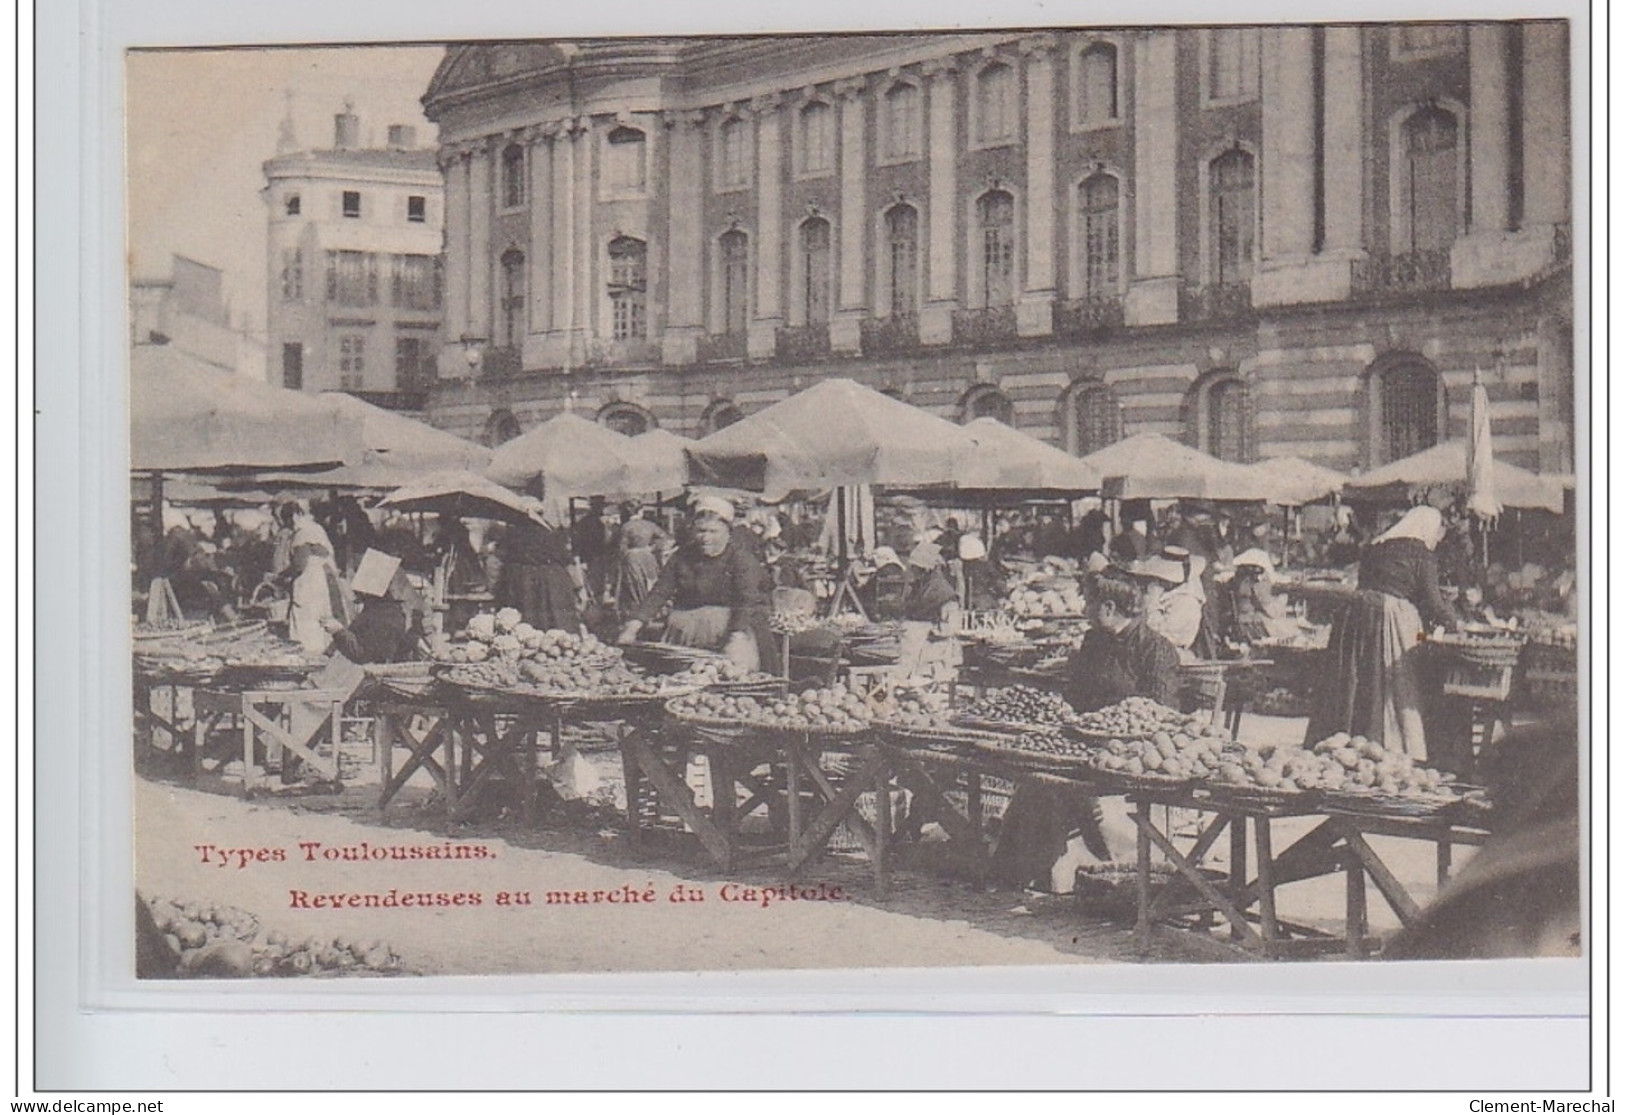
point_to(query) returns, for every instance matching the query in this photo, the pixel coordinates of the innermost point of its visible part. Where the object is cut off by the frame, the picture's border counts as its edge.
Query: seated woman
(1120, 657)
(1256, 611)
(383, 631)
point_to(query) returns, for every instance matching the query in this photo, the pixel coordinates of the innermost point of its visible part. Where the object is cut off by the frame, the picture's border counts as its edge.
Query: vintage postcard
(1052, 496)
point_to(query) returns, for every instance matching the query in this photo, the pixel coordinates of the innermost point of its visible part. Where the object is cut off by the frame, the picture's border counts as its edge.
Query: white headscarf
(1259, 559)
(1423, 523)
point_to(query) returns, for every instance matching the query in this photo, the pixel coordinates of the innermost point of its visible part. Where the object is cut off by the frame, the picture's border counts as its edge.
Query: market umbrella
(399, 449)
(1150, 466)
(1481, 497)
(658, 461)
(190, 416)
(464, 495)
(833, 434)
(1020, 462)
(1296, 481)
(571, 456)
(1444, 467)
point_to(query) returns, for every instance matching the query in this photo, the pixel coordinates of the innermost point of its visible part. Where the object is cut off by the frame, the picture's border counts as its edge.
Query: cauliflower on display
(477, 652)
(483, 627)
(507, 620)
(507, 646)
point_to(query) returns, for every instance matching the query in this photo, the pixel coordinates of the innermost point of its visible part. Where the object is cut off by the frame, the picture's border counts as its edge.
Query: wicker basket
(1485, 653)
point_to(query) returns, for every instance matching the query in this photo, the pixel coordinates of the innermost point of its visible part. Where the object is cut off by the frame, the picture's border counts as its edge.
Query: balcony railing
(1215, 302)
(883, 335)
(1408, 271)
(993, 325)
(796, 343)
(1084, 316)
(720, 347)
(623, 353)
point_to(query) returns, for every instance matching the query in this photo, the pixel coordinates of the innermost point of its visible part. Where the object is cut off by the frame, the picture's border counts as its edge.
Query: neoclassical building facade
(1265, 241)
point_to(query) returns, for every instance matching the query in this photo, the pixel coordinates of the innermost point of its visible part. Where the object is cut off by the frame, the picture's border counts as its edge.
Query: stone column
(1489, 127)
(762, 339)
(1344, 176)
(685, 253)
(453, 362)
(1153, 296)
(586, 286)
(1035, 312)
(942, 258)
(846, 324)
(1290, 270)
(539, 253)
(1546, 150)
(563, 236)
(481, 199)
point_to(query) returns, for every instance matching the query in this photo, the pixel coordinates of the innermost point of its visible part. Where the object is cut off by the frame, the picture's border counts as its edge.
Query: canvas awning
(1150, 466)
(1296, 481)
(1444, 467)
(835, 433)
(1019, 462)
(568, 456)
(190, 416)
(464, 495)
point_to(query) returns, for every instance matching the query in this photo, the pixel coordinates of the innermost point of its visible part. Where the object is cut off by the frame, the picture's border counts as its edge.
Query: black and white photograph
(1076, 495)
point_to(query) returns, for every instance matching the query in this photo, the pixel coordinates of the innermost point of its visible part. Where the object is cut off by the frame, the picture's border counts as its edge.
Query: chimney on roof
(402, 137)
(346, 129)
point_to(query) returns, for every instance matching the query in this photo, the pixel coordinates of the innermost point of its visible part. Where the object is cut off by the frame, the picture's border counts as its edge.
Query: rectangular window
(413, 368)
(1416, 40)
(624, 156)
(1232, 63)
(352, 203)
(735, 278)
(416, 210)
(996, 103)
(901, 120)
(352, 278)
(732, 168)
(817, 138)
(413, 282)
(293, 275)
(628, 286)
(1098, 202)
(293, 365)
(352, 362)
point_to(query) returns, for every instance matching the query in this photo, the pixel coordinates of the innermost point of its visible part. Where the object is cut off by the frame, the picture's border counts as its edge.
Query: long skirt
(1041, 818)
(640, 568)
(544, 594)
(1368, 683)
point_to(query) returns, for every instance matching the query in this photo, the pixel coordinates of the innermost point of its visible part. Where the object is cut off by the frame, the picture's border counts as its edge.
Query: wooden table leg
(973, 800)
(1442, 859)
(386, 754)
(1142, 875)
(883, 829)
(1355, 919)
(792, 774)
(674, 792)
(248, 753)
(1403, 905)
(1266, 881)
(1238, 863)
(634, 794)
(455, 727)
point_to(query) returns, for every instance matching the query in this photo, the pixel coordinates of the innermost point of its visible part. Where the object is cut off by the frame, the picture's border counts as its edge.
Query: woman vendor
(383, 631)
(718, 589)
(1368, 683)
(1175, 601)
(1256, 611)
(534, 576)
(641, 544)
(1120, 657)
(317, 594)
(930, 617)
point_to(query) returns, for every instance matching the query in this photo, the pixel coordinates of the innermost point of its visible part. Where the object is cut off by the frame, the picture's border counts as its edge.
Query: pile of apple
(924, 709)
(719, 671)
(1365, 766)
(572, 677)
(1022, 704)
(1181, 754)
(837, 708)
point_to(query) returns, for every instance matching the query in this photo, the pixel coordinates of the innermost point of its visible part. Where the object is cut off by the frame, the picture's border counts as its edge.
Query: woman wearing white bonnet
(1368, 684)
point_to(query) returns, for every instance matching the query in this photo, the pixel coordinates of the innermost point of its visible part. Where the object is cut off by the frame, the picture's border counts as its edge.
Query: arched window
(732, 164)
(734, 249)
(513, 176)
(501, 426)
(996, 104)
(512, 321)
(996, 219)
(1094, 418)
(817, 147)
(1405, 409)
(903, 260)
(1219, 419)
(900, 122)
(1232, 213)
(626, 418)
(1429, 180)
(625, 164)
(1097, 231)
(628, 286)
(1097, 84)
(815, 270)
(987, 401)
(721, 414)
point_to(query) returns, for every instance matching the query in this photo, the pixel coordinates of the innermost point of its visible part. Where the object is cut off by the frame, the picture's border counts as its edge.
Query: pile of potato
(506, 636)
(1365, 766)
(837, 708)
(1137, 718)
(225, 942)
(1181, 754)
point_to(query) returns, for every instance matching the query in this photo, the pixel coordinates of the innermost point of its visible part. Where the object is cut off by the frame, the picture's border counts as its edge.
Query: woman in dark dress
(535, 577)
(1368, 683)
(719, 591)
